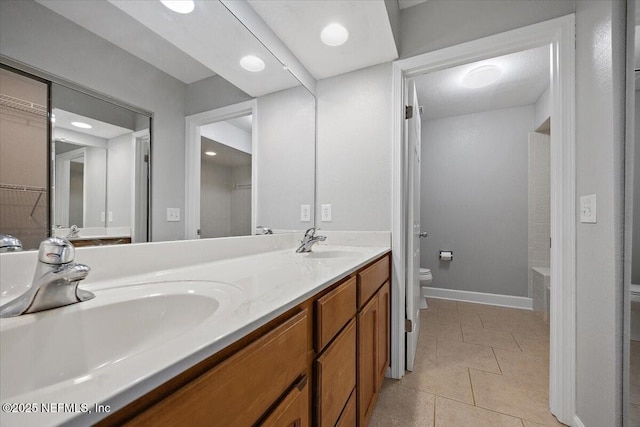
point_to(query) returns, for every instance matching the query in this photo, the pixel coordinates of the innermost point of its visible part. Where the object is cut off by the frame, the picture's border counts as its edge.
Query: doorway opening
(221, 188)
(558, 35)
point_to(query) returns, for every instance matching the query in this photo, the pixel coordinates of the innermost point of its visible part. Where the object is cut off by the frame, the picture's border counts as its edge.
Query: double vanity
(233, 331)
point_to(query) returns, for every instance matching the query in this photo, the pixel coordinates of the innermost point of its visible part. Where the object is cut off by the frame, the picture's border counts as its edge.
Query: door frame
(559, 33)
(192, 160)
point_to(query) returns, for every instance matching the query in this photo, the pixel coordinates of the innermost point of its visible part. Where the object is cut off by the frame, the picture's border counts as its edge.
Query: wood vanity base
(320, 363)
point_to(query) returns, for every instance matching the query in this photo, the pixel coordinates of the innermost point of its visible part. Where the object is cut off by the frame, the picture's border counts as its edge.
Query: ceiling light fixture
(210, 153)
(179, 6)
(481, 76)
(81, 125)
(334, 34)
(252, 63)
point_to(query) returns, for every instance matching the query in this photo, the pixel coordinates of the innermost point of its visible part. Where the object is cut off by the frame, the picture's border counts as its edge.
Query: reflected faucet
(309, 240)
(8, 243)
(265, 230)
(55, 282)
(74, 231)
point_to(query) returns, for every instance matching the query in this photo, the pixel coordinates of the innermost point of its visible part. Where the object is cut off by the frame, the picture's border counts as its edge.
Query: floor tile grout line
(514, 338)
(493, 410)
(435, 403)
(493, 350)
(473, 395)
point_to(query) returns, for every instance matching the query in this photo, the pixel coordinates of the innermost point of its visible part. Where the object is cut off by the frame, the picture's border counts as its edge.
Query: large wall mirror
(154, 62)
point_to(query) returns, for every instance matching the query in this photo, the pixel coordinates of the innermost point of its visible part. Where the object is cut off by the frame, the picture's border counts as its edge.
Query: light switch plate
(588, 209)
(305, 213)
(326, 213)
(173, 214)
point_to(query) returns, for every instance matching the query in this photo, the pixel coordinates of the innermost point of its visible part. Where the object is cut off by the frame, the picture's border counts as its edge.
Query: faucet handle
(56, 251)
(8, 243)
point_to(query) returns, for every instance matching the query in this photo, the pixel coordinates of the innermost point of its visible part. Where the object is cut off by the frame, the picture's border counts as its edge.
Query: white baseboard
(577, 422)
(479, 297)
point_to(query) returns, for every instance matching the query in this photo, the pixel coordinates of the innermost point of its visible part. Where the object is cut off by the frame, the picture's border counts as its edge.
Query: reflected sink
(75, 342)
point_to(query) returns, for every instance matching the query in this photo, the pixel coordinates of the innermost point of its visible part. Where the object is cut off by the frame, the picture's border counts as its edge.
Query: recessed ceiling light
(334, 35)
(481, 76)
(179, 6)
(210, 153)
(252, 63)
(81, 125)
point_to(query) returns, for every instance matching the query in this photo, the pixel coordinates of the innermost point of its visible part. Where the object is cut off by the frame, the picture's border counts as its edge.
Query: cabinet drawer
(348, 417)
(370, 280)
(293, 411)
(333, 311)
(240, 390)
(336, 376)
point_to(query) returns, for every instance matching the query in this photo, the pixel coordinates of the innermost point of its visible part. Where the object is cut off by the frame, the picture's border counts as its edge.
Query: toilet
(635, 312)
(425, 280)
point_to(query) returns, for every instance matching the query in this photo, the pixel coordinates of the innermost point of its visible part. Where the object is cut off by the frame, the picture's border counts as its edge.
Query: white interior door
(413, 227)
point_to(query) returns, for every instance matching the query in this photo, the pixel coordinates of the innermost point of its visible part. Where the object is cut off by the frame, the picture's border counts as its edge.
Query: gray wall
(285, 158)
(474, 200)
(50, 42)
(600, 56)
(440, 23)
(211, 93)
(354, 149)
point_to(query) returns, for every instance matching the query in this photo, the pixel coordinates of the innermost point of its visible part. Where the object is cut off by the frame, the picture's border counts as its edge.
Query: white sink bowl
(331, 254)
(72, 344)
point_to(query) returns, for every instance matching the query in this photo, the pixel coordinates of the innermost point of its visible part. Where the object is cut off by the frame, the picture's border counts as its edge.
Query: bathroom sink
(72, 344)
(321, 253)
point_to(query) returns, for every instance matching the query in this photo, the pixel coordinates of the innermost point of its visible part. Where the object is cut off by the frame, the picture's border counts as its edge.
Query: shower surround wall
(539, 203)
(475, 200)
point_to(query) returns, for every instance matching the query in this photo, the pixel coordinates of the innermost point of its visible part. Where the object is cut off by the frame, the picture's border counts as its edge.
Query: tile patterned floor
(634, 384)
(477, 365)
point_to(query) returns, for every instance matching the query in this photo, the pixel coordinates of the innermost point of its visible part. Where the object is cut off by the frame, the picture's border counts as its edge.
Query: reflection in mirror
(100, 170)
(23, 158)
(141, 54)
(225, 178)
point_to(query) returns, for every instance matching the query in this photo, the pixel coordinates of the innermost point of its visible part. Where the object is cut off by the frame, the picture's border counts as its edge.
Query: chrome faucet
(8, 243)
(309, 240)
(74, 231)
(55, 282)
(265, 230)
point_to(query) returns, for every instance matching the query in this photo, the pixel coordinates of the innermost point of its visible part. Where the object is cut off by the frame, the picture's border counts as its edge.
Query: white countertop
(271, 282)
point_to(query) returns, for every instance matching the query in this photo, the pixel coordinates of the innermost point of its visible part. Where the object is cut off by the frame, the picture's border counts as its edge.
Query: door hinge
(146, 158)
(408, 325)
(408, 112)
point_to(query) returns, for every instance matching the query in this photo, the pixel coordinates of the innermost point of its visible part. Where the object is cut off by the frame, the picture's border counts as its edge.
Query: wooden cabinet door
(293, 411)
(367, 361)
(384, 332)
(240, 390)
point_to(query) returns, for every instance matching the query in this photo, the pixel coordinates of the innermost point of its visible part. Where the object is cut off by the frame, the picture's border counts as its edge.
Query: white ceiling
(100, 17)
(244, 123)
(99, 129)
(211, 40)
(188, 47)
(525, 76)
(299, 23)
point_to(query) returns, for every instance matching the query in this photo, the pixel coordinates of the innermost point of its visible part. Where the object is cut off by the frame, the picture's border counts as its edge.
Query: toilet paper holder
(446, 255)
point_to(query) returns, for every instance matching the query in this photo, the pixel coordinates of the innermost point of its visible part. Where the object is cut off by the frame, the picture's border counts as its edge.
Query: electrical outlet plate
(305, 213)
(173, 214)
(326, 213)
(588, 209)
